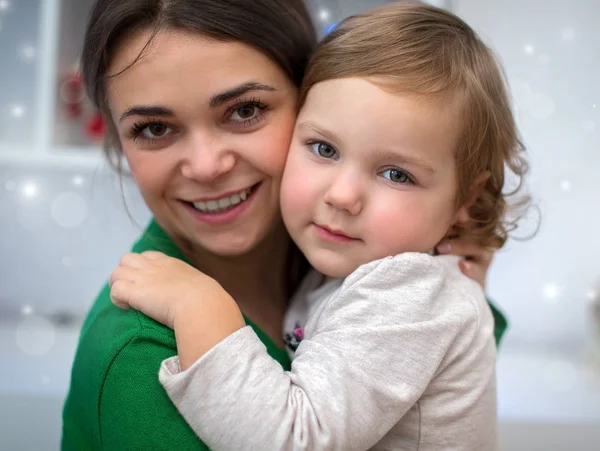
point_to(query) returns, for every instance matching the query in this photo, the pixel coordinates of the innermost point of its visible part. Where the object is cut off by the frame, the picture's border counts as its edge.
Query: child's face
(369, 174)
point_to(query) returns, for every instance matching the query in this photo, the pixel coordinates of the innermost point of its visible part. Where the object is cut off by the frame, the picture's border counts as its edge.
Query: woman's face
(205, 127)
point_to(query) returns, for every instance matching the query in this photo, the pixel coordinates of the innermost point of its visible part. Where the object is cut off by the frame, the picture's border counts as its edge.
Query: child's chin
(335, 270)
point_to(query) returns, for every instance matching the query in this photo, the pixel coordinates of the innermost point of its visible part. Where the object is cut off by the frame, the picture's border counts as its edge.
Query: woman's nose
(206, 159)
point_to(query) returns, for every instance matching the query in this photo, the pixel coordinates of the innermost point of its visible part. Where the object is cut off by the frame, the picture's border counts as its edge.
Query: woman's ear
(462, 215)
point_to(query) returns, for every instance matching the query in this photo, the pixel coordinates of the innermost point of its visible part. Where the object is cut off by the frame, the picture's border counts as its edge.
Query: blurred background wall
(64, 222)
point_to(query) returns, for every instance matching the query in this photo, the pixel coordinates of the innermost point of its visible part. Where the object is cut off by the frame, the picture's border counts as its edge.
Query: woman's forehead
(186, 67)
(181, 48)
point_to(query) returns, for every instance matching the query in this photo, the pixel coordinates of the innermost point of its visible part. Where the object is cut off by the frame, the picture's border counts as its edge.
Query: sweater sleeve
(366, 359)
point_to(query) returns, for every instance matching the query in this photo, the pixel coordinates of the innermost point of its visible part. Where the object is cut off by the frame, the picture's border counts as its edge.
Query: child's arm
(366, 360)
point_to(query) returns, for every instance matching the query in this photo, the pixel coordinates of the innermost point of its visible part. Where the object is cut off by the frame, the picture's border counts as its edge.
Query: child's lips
(331, 234)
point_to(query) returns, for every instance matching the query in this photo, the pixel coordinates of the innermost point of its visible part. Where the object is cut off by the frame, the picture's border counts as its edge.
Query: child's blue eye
(396, 176)
(323, 150)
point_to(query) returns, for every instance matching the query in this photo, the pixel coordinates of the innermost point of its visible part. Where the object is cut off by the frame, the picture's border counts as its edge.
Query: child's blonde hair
(423, 50)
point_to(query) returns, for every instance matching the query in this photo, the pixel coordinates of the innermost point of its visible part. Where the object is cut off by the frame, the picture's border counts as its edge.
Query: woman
(200, 97)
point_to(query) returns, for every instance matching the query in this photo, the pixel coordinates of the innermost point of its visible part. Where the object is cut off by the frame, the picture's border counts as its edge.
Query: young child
(404, 133)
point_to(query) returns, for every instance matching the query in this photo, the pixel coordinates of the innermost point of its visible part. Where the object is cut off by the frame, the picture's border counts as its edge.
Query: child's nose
(345, 194)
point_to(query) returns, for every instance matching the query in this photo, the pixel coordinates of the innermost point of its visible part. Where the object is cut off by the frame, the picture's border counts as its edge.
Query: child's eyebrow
(381, 154)
(387, 154)
(329, 135)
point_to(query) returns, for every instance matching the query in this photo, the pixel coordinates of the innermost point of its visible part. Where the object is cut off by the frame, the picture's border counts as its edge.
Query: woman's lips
(226, 215)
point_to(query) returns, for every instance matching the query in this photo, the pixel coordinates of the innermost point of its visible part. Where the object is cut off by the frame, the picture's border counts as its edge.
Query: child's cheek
(295, 192)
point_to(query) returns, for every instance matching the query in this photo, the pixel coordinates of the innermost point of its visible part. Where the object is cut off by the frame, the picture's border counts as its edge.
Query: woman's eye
(244, 113)
(323, 150)
(396, 176)
(155, 131)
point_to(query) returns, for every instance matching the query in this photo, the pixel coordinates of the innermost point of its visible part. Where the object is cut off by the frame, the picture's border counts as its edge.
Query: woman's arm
(135, 412)
(115, 400)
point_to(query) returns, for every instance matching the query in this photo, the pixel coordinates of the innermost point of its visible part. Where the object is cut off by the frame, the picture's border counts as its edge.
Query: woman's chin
(229, 244)
(229, 249)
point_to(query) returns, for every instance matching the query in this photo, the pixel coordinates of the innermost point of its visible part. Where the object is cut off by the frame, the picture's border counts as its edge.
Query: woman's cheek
(272, 149)
(282, 131)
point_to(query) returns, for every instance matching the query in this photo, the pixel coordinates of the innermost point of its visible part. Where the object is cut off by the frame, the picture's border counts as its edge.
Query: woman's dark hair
(281, 29)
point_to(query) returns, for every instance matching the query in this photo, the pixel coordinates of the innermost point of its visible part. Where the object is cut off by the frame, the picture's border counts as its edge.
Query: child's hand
(179, 296)
(159, 286)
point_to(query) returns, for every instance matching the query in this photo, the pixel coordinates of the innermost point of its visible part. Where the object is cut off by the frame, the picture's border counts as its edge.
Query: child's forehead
(357, 113)
(382, 94)
(444, 98)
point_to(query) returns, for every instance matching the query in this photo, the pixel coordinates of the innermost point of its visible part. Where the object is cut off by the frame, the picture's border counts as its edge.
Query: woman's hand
(476, 258)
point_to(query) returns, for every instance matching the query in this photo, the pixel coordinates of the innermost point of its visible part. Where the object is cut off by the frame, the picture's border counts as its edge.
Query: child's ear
(462, 215)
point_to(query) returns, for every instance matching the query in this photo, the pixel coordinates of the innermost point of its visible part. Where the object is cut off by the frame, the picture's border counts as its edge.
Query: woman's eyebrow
(215, 101)
(146, 110)
(219, 99)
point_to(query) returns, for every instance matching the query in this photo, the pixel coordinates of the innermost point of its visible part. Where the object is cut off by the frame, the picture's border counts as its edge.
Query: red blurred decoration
(72, 94)
(78, 108)
(96, 127)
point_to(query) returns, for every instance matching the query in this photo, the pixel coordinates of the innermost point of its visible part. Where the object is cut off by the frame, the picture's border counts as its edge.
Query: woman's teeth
(218, 205)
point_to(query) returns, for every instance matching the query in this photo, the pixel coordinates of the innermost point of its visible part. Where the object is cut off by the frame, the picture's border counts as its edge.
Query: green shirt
(115, 400)
(500, 323)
